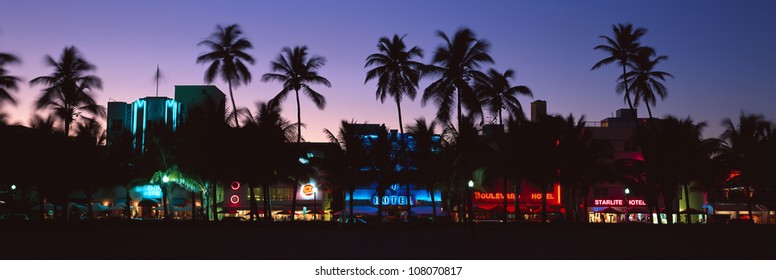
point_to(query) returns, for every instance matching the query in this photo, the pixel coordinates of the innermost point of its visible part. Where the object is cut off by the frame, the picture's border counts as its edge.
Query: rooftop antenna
(158, 76)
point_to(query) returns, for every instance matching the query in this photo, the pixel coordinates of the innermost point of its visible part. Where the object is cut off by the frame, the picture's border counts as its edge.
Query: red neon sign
(619, 202)
(234, 199)
(553, 198)
(235, 185)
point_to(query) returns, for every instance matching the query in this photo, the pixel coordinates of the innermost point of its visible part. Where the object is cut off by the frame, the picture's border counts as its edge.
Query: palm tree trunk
(298, 119)
(89, 204)
(254, 208)
(380, 193)
(627, 95)
(403, 161)
(42, 202)
(193, 205)
(128, 203)
(544, 203)
(352, 214)
(587, 215)
(649, 111)
(433, 204)
(214, 197)
(516, 185)
(504, 191)
(267, 204)
(164, 203)
(687, 202)
(234, 105)
(294, 192)
(749, 203)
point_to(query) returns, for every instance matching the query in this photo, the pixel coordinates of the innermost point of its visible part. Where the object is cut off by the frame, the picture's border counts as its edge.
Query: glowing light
(13, 187)
(235, 185)
(627, 191)
(165, 179)
(308, 190)
(471, 183)
(106, 204)
(234, 199)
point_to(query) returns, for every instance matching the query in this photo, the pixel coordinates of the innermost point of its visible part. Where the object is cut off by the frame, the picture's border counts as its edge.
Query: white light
(627, 191)
(13, 187)
(165, 179)
(471, 183)
(315, 189)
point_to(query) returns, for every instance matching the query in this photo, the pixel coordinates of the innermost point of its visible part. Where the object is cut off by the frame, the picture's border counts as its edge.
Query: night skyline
(719, 52)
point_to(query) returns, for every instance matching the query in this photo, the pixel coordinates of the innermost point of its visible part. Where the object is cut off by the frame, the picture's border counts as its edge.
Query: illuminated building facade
(135, 123)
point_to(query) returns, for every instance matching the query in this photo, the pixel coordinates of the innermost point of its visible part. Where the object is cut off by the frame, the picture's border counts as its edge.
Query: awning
(610, 210)
(147, 202)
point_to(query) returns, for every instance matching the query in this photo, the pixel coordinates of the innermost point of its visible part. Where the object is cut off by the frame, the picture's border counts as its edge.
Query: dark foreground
(284, 241)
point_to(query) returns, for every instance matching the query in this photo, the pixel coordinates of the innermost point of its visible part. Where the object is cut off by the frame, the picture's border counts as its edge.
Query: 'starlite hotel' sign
(618, 202)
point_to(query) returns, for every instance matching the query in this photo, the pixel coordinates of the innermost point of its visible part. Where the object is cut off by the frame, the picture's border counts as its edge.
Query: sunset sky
(722, 53)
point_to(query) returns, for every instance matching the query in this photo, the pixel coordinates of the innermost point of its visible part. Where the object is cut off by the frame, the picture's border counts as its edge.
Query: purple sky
(721, 52)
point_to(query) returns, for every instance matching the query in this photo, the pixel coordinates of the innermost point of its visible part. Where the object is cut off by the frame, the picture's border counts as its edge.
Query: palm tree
(89, 137)
(227, 49)
(746, 152)
(298, 72)
(622, 49)
(495, 91)
(456, 63)
(396, 73)
(7, 82)
(67, 88)
(645, 82)
(268, 134)
(426, 157)
(342, 168)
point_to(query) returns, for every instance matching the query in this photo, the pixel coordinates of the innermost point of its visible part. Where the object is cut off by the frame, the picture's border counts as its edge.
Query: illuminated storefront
(489, 205)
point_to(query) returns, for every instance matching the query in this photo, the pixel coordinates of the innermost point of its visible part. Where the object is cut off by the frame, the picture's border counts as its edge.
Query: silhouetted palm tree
(426, 157)
(622, 49)
(298, 72)
(396, 73)
(746, 152)
(7, 82)
(495, 92)
(268, 134)
(342, 168)
(68, 88)
(644, 81)
(227, 49)
(456, 63)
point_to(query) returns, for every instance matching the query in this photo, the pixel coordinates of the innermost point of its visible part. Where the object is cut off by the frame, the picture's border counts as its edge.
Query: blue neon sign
(393, 200)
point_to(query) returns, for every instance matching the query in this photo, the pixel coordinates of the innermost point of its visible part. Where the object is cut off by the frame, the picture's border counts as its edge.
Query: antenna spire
(157, 80)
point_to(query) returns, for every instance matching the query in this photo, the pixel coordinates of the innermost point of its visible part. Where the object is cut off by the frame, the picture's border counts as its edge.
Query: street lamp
(13, 187)
(627, 204)
(315, 202)
(471, 212)
(165, 179)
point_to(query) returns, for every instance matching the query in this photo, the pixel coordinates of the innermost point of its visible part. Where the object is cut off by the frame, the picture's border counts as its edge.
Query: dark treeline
(48, 162)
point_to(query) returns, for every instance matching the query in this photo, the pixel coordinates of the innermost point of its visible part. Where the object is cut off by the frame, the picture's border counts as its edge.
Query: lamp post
(165, 180)
(627, 205)
(471, 212)
(315, 202)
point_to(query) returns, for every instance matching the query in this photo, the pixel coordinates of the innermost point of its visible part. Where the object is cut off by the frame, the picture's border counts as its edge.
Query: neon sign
(308, 190)
(235, 185)
(234, 199)
(393, 200)
(619, 202)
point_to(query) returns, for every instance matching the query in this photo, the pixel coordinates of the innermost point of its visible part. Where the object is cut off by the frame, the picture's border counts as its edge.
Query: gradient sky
(721, 52)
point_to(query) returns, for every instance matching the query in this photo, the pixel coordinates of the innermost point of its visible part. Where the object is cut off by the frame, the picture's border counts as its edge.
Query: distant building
(131, 121)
